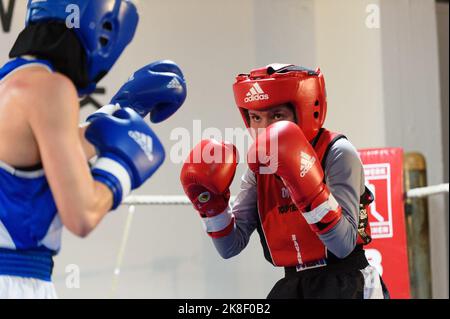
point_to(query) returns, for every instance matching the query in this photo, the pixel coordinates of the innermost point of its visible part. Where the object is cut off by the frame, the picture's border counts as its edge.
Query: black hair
(54, 42)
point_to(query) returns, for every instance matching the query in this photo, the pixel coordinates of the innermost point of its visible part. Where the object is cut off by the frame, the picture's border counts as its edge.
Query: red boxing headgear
(278, 84)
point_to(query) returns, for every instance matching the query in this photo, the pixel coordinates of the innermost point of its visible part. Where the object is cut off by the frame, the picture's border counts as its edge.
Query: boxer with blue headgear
(45, 180)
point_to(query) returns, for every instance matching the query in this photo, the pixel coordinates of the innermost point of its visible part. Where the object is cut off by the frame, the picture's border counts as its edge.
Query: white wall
(349, 55)
(168, 255)
(284, 32)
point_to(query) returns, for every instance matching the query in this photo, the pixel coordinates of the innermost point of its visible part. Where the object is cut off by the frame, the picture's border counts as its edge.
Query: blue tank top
(30, 228)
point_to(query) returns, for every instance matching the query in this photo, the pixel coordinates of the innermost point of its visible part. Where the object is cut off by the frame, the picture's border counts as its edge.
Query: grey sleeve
(344, 176)
(246, 217)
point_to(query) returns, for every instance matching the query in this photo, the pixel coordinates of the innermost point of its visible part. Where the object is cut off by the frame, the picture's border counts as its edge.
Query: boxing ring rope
(427, 191)
(134, 200)
(183, 200)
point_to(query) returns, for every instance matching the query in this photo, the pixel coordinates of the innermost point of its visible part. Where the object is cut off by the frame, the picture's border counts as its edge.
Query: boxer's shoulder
(39, 83)
(42, 89)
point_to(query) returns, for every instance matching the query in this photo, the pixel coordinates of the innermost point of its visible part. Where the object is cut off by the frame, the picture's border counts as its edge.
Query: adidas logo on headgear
(256, 94)
(306, 162)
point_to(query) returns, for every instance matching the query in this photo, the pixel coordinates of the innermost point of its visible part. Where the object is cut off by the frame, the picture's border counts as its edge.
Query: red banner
(383, 170)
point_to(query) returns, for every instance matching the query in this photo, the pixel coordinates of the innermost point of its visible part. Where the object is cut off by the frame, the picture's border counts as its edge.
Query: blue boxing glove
(129, 152)
(158, 89)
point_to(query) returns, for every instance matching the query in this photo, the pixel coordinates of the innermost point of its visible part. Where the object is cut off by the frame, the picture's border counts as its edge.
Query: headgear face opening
(103, 27)
(278, 84)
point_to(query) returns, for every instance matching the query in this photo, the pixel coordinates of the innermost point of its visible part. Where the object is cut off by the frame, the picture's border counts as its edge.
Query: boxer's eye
(278, 116)
(255, 118)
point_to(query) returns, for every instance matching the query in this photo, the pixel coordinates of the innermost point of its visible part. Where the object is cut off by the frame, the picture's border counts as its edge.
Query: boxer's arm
(88, 148)
(245, 212)
(53, 118)
(344, 176)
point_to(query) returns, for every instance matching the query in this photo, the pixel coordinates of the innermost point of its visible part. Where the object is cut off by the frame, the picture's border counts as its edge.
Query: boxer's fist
(158, 89)
(206, 176)
(288, 154)
(129, 152)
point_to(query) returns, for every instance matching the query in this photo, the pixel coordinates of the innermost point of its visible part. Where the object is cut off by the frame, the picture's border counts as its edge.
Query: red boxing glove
(206, 177)
(283, 149)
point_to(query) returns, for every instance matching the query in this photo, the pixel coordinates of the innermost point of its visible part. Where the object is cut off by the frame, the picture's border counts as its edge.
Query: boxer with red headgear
(280, 84)
(305, 196)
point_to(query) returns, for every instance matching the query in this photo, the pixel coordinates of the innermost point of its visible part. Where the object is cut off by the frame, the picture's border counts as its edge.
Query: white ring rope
(183, 200)
(121, 253)
(427, 191)
(156, 200)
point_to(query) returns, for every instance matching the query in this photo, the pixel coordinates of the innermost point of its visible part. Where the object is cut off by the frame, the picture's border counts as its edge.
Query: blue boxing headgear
(103, 27)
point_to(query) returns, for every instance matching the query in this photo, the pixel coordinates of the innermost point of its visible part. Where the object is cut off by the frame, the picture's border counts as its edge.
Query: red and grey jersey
(264, 204)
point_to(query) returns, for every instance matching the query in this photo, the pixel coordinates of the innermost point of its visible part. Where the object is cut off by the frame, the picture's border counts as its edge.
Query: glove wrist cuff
(224, 232)
(218, 222)
(325, 216)
(120, 181)
(108, 109)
